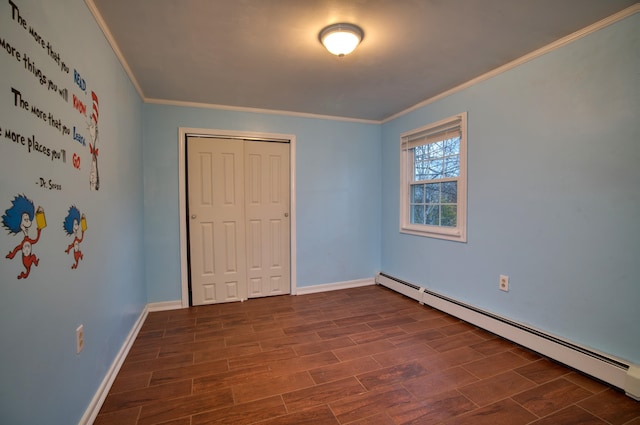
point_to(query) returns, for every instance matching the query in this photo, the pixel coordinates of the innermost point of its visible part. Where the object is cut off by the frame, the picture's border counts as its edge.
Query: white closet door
(216, 220)
(239, 228)
(267, 218)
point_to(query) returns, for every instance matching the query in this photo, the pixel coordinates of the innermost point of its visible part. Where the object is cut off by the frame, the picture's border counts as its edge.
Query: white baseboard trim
(335, 286)
(98, 399)
(164, 306)
(101, 394)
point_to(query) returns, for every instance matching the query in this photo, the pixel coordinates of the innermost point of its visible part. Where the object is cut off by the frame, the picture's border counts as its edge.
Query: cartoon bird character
(94, 177)
(73, 224)
(19, 218)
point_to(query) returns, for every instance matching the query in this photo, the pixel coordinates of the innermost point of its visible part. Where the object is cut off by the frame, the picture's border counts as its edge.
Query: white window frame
(458, 233)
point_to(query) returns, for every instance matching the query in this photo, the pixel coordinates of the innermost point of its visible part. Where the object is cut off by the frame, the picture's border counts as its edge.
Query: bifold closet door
(239, 229)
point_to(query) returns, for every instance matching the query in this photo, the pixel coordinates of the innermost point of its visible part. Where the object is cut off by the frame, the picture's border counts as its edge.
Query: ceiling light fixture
(341, 39)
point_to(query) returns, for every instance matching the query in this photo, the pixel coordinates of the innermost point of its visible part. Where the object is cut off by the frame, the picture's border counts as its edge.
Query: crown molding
(258, 110)
(114, 46)
(625, 13)
(631, 10)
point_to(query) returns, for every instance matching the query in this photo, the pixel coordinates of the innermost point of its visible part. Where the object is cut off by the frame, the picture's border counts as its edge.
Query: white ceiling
(265, 54)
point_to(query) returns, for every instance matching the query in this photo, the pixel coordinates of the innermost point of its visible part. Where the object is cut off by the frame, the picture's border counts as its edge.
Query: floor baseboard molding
(164, 306)
(101, 394)
(304, 290)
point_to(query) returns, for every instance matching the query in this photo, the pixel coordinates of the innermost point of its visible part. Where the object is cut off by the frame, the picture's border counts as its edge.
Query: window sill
(455, 234)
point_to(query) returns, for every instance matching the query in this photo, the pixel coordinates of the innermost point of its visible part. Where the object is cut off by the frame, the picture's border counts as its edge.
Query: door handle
(286, 214)
(193, 216)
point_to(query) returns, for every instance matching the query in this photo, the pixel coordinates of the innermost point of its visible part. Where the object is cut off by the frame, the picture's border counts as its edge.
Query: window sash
(446, 159)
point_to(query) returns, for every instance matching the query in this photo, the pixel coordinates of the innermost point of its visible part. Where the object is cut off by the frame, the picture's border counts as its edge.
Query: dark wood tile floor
(365, 356)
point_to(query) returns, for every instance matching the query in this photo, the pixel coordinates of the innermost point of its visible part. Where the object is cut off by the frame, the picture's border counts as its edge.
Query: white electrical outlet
(79, 339)
(504, 283)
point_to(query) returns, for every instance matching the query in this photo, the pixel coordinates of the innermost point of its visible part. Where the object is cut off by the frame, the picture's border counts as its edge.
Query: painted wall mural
(60, 139)
(47, 120)
(75, 225)
(94, 177)
(18, 219)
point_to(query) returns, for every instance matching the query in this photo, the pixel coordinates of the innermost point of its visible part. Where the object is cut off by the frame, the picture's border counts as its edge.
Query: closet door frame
(183, 133)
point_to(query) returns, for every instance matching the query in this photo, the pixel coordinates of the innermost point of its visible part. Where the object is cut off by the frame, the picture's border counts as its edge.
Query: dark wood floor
(365, 356)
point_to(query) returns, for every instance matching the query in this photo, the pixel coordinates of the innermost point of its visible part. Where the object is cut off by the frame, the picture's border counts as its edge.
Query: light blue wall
(553, 194)
(338, 193)
(42, 380)
(554, 201)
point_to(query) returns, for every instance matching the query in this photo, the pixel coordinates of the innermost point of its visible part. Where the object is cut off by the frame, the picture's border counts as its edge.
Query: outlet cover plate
(504, 283)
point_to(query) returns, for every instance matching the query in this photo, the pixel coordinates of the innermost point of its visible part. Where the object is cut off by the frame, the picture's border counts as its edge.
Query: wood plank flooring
(363, 356)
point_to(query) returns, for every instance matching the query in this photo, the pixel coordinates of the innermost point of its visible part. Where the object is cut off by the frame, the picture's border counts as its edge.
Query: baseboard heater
(606, 368)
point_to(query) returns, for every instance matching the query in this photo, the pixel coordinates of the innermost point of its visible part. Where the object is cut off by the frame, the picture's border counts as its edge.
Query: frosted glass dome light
(341, 39)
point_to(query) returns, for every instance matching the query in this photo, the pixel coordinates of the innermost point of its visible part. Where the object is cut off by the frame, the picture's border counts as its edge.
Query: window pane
(449, 192)
(435, 169)
(417, 193)
(435, 150)
(417, 214)
(452, 147)
(420, 152)
(452, 166)
(449, 215)
(419, 169)
(432, 215)
(432, 193)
